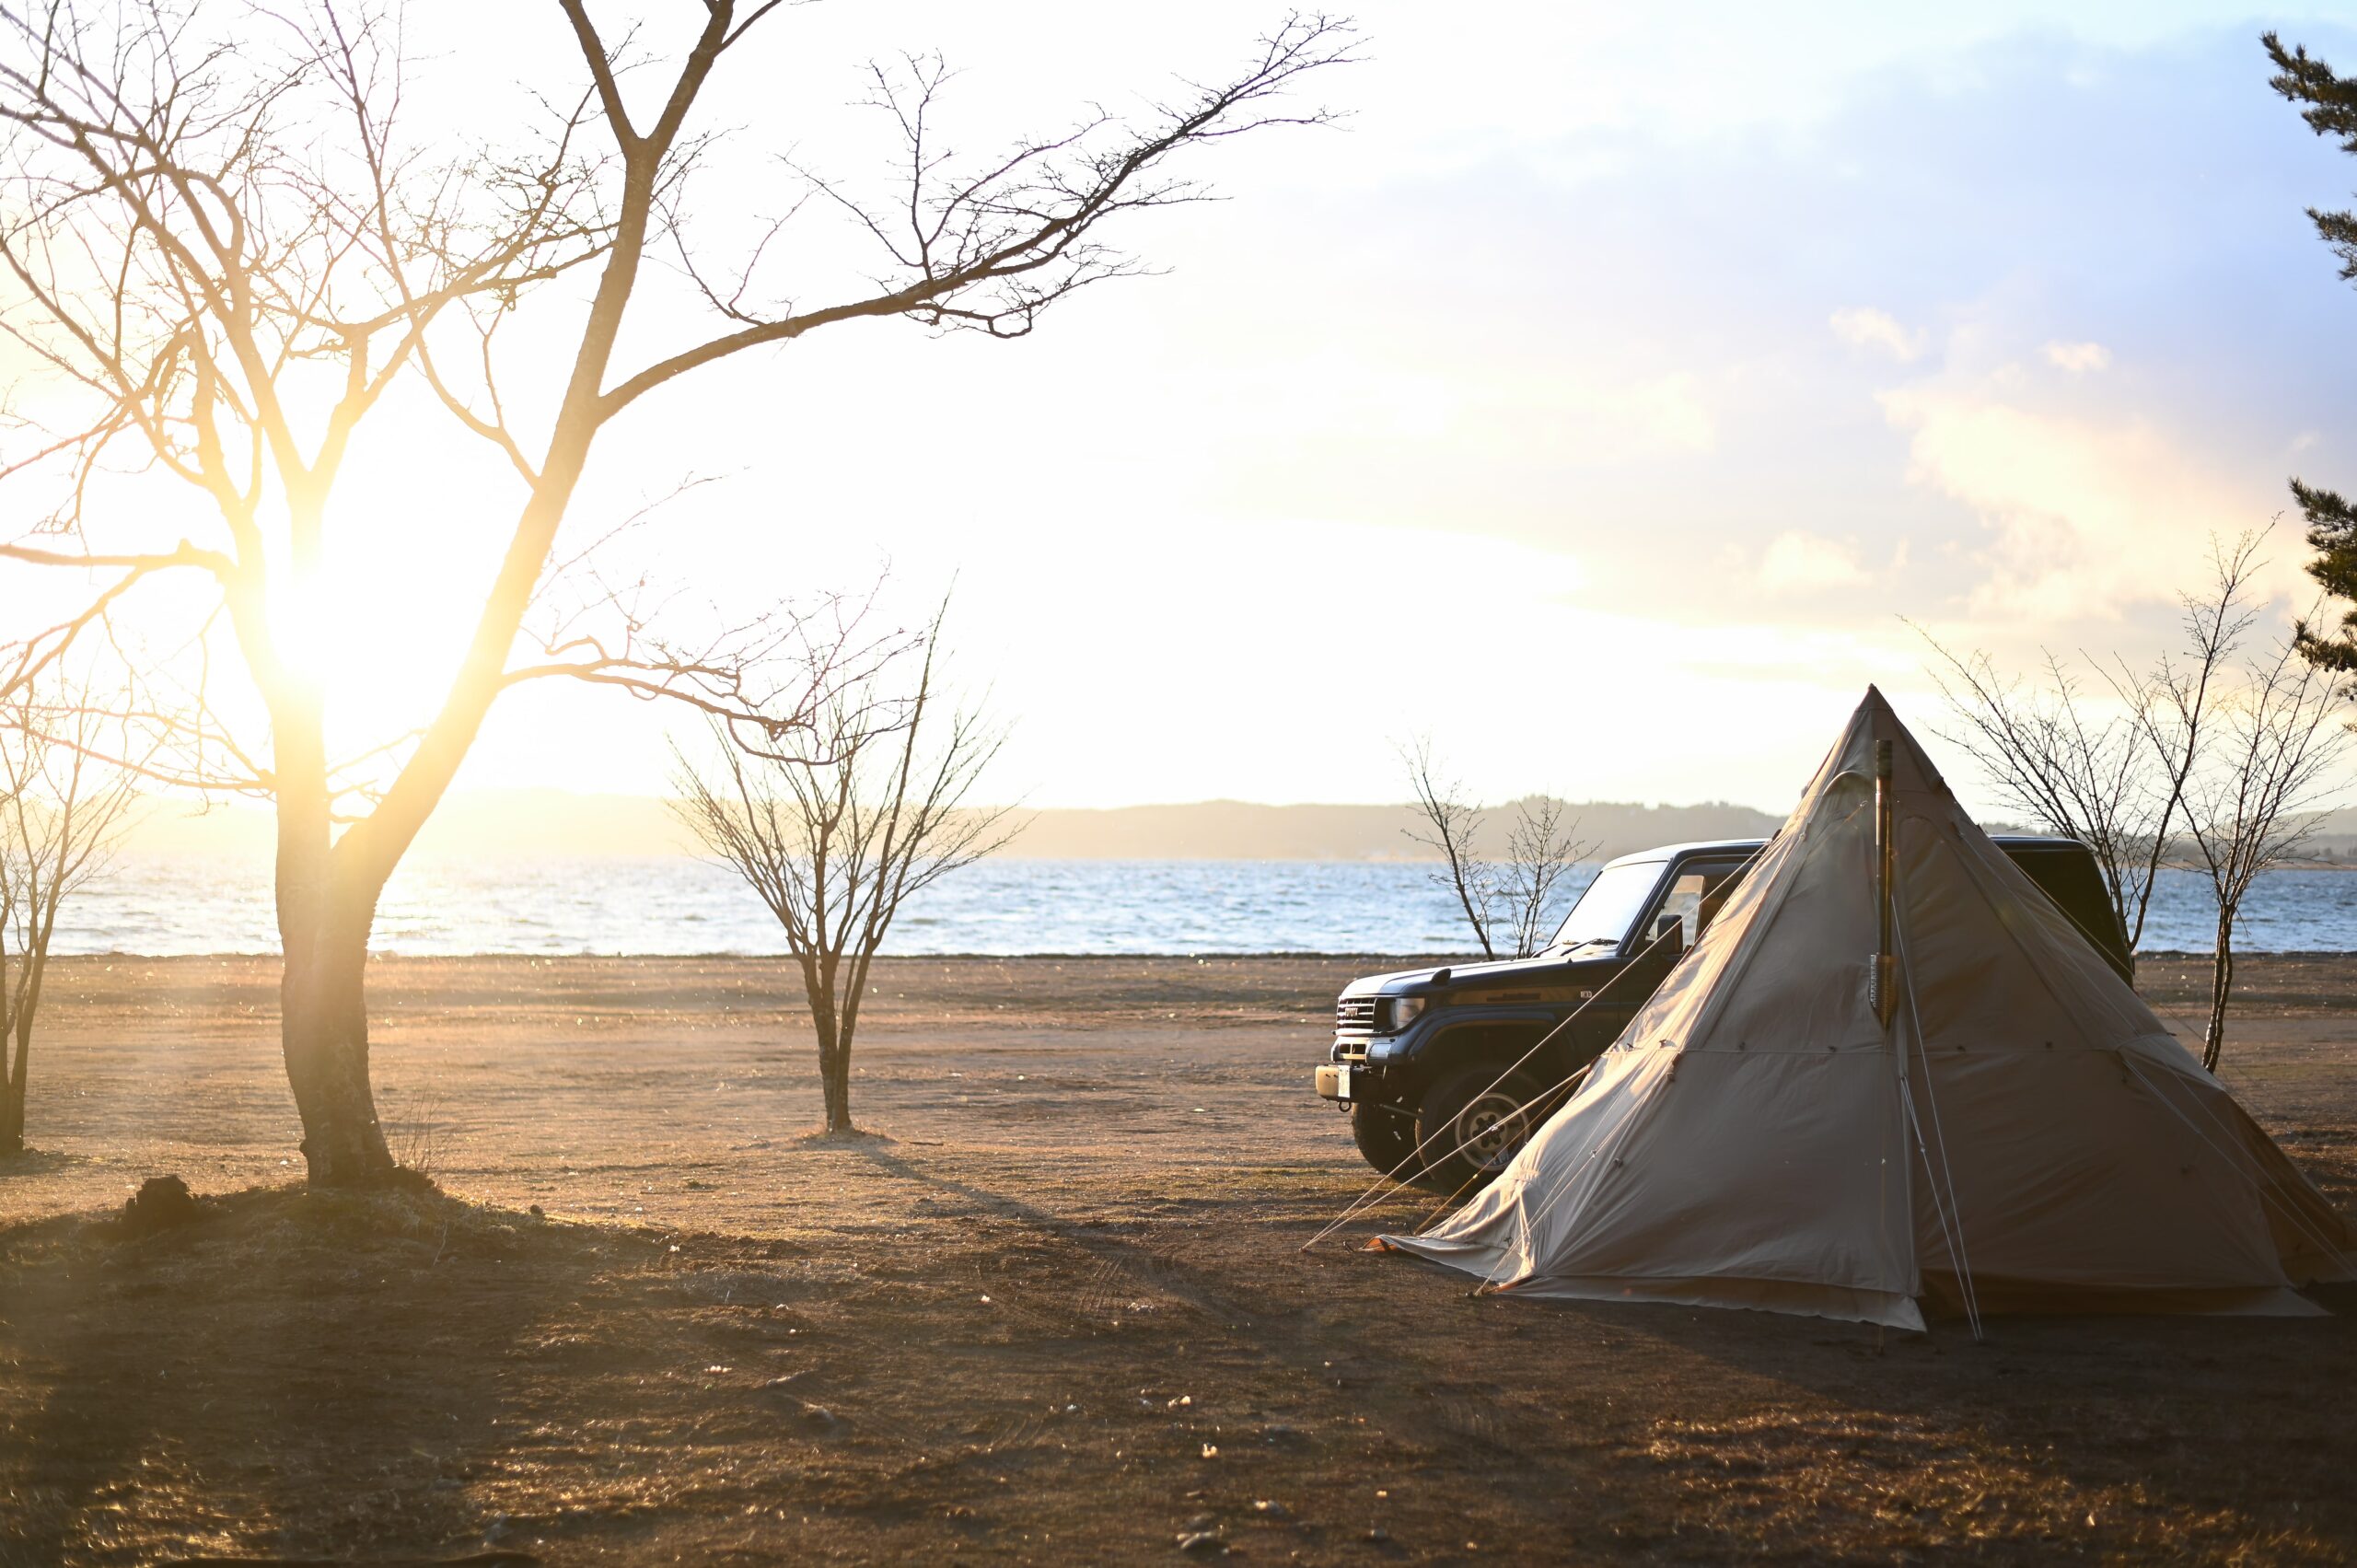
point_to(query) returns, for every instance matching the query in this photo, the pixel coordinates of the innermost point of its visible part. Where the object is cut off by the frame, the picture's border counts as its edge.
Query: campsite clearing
(1057, 1314)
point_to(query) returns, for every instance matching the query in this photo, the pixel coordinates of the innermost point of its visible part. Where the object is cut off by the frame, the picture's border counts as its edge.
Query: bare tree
(2257, 801)
(219, 240)
(2109, 770)
(1541, 851)
(2230, 756)
(836, 848)
(1451, 820)
(60, 810)
(1517, 902)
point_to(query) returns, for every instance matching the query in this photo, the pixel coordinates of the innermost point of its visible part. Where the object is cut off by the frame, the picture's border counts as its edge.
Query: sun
(377, 633)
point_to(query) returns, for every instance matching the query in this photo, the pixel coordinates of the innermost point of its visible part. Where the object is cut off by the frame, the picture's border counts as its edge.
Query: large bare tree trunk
(323, 1030)
(834, 1079)
(12, 1075)
(327, 905)
(2222, 990)
(12, 1091)
(818, 979)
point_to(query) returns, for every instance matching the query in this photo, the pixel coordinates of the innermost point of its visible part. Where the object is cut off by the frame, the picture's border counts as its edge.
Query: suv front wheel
(1386, 1134)
(1472, 1123)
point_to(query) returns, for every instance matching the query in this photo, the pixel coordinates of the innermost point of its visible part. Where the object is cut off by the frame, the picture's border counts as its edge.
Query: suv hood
(1410, 982)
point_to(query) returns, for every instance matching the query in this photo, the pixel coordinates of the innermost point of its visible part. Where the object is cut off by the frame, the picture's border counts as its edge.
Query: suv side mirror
(1666, 924)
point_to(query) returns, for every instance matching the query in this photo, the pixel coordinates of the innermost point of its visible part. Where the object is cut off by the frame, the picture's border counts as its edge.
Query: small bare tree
(835, 845)
(1540, 853)
(2256, 802)
(1450, 821)
(1519, 901)
(2229, 757)
(60, 810)
(2110, 772)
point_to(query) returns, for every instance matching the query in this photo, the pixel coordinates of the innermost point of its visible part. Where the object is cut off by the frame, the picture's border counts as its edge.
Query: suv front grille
(1355, 1015)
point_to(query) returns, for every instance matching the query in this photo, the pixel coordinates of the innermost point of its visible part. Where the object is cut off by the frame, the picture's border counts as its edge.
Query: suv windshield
(1609, 905)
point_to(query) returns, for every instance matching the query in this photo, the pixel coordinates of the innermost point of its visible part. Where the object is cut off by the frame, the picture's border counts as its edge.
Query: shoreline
(1272, 954)
(662, 999)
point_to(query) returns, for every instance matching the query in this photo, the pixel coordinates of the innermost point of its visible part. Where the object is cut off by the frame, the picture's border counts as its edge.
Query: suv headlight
(1406, 1010)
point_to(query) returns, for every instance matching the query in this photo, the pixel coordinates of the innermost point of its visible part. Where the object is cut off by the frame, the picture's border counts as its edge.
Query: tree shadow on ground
(41, 1162)
(1704, 1433)
(292, 1374)
(940, 1352)
(2178, 1438)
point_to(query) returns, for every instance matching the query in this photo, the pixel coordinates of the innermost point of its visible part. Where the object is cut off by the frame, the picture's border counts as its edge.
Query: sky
(1601, 397)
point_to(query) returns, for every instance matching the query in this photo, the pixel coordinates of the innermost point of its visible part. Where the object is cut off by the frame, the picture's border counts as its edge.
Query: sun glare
(378, 634)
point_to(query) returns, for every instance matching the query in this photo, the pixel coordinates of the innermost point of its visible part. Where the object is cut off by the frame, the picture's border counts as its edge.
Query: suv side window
(1694, 897)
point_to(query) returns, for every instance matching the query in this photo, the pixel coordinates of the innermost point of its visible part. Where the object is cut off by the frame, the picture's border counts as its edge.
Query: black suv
(1417, 1056)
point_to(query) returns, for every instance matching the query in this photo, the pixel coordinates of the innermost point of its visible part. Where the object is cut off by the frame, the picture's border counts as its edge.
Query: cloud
(1864, 327)
(1808, 562)
(2088, 518)
(1588, 417)
(2078, 358)
(1667, 412)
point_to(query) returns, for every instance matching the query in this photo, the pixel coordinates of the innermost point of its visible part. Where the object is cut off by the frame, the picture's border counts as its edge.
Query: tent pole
(1881, 989)
(1886, 867)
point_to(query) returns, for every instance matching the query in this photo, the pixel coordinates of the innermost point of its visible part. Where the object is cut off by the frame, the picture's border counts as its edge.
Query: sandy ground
(1057, 1313)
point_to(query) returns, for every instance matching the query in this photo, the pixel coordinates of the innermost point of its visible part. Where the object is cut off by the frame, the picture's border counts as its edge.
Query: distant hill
(541, 823)
(544, 824)
(1236, 829)
(471, 824)
(2336, 837)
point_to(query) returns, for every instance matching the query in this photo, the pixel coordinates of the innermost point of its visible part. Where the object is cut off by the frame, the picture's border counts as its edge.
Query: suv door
(1693, 892)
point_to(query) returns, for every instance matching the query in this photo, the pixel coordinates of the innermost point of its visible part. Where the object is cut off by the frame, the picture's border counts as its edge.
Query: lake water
(1002, 907)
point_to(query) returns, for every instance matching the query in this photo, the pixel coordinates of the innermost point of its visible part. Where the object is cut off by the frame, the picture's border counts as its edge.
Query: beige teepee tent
(2000, 1125)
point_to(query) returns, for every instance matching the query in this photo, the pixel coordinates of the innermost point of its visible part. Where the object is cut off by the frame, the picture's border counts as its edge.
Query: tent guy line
(1951, 1224)
(1377, 1190)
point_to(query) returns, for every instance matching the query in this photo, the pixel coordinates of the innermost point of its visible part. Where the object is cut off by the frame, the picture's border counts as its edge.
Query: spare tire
(1472, 1123)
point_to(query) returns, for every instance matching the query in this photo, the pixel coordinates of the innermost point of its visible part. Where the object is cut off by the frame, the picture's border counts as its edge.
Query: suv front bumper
(1346, 1083)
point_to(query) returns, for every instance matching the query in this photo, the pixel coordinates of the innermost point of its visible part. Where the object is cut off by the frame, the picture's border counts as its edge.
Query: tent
(1985, 1119)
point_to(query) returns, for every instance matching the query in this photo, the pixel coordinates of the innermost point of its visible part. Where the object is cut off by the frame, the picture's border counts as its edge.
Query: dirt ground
(1057, 1313)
